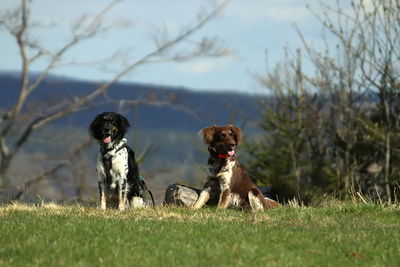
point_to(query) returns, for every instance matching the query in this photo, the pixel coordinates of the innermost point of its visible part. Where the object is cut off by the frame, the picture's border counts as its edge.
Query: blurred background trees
(23, 117)
(336, 130)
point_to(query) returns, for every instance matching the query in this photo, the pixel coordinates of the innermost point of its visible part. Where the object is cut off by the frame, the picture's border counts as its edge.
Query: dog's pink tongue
(107, 140)
(231, 153)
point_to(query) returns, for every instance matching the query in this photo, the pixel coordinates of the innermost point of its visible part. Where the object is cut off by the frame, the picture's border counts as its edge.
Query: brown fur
(228, 183)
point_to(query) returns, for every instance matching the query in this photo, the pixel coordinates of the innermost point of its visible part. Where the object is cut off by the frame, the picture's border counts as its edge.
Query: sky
(248, 27)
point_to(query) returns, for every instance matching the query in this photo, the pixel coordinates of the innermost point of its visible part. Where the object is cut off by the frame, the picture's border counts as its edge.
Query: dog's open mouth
(230, 153)
(107, 140)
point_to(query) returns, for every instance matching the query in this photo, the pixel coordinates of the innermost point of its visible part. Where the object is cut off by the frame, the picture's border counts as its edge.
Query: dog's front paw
(196, 206)
(137, 202)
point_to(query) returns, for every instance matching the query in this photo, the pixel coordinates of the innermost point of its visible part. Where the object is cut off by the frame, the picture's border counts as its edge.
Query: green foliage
(340, 234)
(293, 156)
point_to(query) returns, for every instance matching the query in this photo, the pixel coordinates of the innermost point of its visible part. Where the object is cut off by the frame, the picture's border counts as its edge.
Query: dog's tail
(259, 202)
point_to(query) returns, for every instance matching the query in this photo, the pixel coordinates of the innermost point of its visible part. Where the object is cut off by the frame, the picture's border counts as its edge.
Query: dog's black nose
(106, 130)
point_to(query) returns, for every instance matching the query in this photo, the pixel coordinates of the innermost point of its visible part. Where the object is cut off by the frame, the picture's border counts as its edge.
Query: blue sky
(250, 27)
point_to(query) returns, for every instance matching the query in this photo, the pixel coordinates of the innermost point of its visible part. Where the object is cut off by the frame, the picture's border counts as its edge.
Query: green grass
(334, 235)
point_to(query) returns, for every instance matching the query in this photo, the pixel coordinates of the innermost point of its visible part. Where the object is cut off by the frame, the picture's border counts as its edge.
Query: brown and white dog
(227, 183)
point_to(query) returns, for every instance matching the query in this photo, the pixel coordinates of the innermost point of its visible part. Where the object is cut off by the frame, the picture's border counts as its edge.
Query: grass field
(337, 234)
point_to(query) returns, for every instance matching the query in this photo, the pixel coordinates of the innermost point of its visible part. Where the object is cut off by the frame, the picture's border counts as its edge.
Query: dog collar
(225, 156)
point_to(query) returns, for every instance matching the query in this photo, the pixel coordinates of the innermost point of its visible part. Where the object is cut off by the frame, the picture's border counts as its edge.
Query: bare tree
(356, 80)
(365, 70)
(19, 24)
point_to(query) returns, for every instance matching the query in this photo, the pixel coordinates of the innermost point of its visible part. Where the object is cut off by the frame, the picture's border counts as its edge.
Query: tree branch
(161, 51)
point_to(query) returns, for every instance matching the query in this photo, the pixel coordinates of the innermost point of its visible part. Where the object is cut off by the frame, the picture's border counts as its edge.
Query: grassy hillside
(343, 234)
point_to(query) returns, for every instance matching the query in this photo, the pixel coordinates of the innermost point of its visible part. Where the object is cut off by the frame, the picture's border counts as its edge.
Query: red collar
(223, 156)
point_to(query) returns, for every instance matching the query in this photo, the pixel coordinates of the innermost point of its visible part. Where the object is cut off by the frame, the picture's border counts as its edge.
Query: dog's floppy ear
(236, 131)
(208, 134)
(94, 127)
(123, 123)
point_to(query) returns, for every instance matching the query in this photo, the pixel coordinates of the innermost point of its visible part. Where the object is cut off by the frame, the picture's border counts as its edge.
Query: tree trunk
(4, 179)
(387, 166)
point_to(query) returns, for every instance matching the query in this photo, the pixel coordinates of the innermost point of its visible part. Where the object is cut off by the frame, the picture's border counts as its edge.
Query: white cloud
(202, 67)
(196, 68)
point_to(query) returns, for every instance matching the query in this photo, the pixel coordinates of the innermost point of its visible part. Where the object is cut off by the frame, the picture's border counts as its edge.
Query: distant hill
(189, 110)
(168, 132)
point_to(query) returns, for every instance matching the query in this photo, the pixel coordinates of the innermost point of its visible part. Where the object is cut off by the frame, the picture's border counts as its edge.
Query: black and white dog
(118, 172)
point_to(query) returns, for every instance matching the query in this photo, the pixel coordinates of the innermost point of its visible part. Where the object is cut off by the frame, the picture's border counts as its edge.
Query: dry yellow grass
(159, 213)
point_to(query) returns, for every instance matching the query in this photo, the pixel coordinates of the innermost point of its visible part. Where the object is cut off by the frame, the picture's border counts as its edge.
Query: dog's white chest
(118, 167)
(225, 174)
